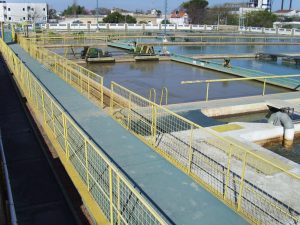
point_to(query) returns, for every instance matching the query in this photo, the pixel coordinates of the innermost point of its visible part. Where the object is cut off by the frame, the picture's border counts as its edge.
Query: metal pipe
(12, 211)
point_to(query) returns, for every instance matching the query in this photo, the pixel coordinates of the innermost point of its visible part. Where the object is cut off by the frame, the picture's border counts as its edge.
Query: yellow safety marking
(226, 128)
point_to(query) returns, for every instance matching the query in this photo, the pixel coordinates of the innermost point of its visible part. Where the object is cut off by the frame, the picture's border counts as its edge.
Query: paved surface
(37, 196)
(177, 195)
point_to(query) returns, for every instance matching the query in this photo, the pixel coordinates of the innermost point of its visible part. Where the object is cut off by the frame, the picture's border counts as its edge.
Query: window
(44, 9)
(32, 9)
(4, 7)
(8, 9)
(9, 18)
(23, 9)
(24, 18)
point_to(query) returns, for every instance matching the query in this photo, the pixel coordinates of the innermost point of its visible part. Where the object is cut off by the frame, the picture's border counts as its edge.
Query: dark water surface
(142, 76)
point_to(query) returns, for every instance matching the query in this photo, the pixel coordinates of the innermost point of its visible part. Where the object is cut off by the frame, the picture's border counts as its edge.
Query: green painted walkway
(122, 45)
(289, 83)
(179, 198)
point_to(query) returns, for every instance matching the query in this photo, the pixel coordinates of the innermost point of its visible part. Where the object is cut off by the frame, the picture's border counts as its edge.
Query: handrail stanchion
(207, 90)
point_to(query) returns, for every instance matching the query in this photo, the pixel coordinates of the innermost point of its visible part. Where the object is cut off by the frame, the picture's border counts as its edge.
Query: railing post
(191, 150)
(228, 171)
(242, 182)
(43, 107)
(264, 86)
(88, 85)
(101, 94)
(111, 102)
(86, 164)
(153, 124)
(52, 117)
(111, 196)
(65, 135)
(207, 90)
(129, 113)
(119, 200)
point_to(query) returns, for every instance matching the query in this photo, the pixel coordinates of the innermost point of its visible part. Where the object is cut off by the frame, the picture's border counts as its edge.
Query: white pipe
(288, 137)
(13, 216)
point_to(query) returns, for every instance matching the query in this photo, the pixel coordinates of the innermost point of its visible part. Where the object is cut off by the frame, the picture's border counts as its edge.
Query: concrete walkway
(238, 105)
(177, 196)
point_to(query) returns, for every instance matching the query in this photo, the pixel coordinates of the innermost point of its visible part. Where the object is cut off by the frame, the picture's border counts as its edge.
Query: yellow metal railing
(258, 78)
(108, 194)
(248, 182)
(84, 80)
(94, 38)
(164, 96)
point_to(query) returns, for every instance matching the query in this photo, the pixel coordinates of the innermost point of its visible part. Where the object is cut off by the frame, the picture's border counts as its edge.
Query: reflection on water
(142, 76)
(292, 153)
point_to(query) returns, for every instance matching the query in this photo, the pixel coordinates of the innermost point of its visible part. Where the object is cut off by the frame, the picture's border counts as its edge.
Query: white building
(21, 12)
(287, 13)
(179, 18)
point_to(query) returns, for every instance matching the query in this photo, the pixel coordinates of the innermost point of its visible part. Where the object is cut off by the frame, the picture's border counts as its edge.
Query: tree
(221, 14)
(196, 9)
(158, 12)
(260, 19)
(117, 17)
(74, 9)
(101, 11)
(163, 22)
(35, 17)
(52, 14)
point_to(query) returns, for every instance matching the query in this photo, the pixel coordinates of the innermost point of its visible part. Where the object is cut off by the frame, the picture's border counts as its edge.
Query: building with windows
(179, 17)
(23, 12)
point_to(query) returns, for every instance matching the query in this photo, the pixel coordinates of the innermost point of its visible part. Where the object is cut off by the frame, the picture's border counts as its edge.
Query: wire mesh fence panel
(245, 181)
(100, 177)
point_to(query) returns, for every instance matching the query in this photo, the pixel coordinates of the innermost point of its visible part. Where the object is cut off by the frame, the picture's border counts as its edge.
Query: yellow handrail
(152, 95)
(103, 197)
(189, 147)
(179, 140)
(164, 93)
(258, 78)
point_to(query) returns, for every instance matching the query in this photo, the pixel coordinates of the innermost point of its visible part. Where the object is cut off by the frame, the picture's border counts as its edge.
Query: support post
(207, 90)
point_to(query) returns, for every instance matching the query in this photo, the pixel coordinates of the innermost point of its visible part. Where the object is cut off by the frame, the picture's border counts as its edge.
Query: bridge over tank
(285, 82)
(173, 194)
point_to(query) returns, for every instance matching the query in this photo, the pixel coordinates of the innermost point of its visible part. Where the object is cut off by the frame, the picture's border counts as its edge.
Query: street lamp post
(166, 6)
(97, 14)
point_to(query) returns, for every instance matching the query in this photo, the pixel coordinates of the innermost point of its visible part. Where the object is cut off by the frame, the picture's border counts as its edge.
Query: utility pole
(282, 3)
(291, 2)
(75, 8)
(97, 14)
(166, 8)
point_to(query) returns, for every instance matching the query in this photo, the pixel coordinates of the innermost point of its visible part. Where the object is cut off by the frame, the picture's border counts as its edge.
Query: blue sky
(141, 4)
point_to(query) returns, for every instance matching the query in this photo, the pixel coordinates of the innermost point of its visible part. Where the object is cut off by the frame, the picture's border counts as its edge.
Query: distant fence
(263, 30)
(124, 26)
